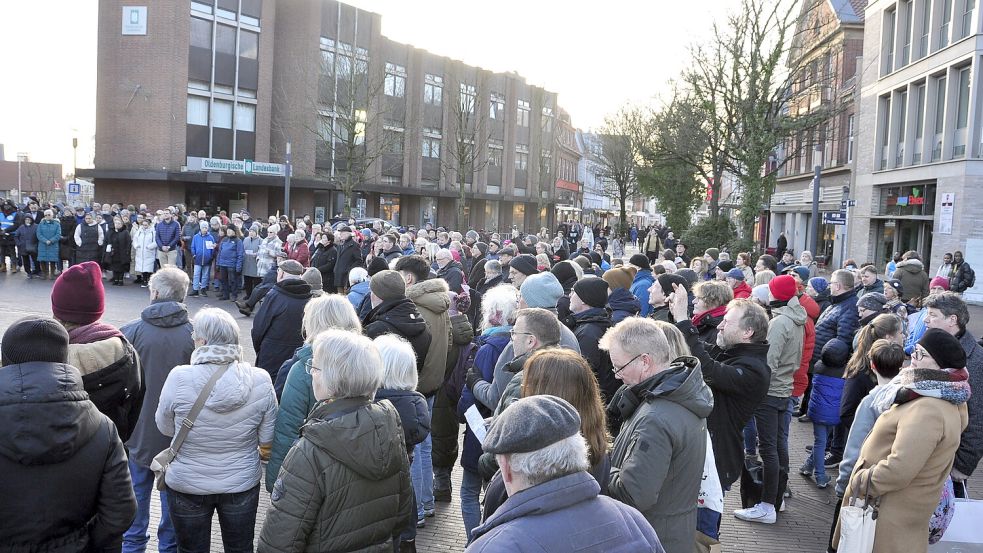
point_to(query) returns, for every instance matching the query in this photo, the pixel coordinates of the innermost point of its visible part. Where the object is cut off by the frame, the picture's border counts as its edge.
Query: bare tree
(465, 154)
(623, 137)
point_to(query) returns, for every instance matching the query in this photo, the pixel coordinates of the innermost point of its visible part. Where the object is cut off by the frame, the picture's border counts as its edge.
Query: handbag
(163, 459)
(964, 534)
(858, 522)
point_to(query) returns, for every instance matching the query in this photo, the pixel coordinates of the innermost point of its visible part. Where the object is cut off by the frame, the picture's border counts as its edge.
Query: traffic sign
(847, 203)
(74, 188)
(834, 218)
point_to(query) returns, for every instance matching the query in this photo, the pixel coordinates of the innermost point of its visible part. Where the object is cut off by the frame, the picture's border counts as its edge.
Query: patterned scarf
(94, 332)
(223, 354)
(951, 385)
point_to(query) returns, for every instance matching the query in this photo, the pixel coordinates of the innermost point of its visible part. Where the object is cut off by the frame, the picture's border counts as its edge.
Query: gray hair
(493, 267)
(356, 275)
(329, 311)
(949, 303)
(170, 283)
(846, 278)
(561, 458)
(398, 361)
(636, 336)
(498, 306)
(350, 364)
(677, 342)
(216, 327)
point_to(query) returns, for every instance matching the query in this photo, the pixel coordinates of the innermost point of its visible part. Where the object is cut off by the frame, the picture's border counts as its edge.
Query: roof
(849, 11)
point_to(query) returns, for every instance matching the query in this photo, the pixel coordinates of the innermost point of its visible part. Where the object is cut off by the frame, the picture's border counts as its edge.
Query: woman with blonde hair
(293, 383)
(677, 342)
(763, 277)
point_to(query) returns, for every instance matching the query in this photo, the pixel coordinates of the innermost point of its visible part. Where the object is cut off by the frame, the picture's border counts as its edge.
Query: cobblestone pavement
(803, 527)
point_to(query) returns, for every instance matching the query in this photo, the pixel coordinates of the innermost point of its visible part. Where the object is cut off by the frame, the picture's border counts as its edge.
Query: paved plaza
(803, 527)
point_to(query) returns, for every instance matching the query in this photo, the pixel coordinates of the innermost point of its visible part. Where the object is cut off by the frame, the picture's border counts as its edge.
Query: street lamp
(286, 185)
(21, 158)
(75, 164)
(818, 158)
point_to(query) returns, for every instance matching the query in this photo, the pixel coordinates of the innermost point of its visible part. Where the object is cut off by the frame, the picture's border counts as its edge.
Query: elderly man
(162, 339)
(521, 268)
(276, 329)
(349, 255)
(947, 311)
(657, 459)
(553, 503)
(449, 270)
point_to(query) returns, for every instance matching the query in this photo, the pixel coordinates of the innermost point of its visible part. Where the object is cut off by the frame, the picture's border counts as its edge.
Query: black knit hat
(35, 339)
(377, 265)
(565, 273)
(725, 265)
(593, 291)
(525, 264)
(639, 260)
(667, 280)
(942, 346)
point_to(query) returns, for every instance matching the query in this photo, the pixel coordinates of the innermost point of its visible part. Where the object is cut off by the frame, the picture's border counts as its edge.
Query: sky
(596, 55)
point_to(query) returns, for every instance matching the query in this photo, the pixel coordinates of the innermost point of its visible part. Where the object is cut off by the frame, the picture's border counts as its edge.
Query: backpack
(454, 385)
(972, 277)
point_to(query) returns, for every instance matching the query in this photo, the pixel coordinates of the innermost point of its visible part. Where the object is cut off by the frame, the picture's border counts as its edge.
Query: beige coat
(432, 299)
(908, 455)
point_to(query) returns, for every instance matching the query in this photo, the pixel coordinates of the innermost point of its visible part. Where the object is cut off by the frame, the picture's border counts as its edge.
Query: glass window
(496, 108)
(521, 160)
(919, 111)
(522, 113)
(906, 21)
(197, 110)
(225, 53)
(248, 45)
(945, 22)
(967, 23)
(246, 117)
(939, 118)
(200, 52)
(394, 142)
(495, 157)
(926, 26)
(203, 6)
(468, 95)
(890, 16)
(251, 11)
(433, 90)
(431, 147)
(962, 113)
(222, 114)
(395, 84)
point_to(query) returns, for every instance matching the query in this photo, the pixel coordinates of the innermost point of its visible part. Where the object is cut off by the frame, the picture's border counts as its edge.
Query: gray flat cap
(530, 424)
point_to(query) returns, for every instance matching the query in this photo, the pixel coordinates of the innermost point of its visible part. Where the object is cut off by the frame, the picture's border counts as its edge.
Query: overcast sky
(596, 55)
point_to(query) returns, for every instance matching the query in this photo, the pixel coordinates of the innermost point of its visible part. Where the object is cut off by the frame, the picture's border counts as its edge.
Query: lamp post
(814, 242)
(286, 186)
(21, 158)
(75, 164)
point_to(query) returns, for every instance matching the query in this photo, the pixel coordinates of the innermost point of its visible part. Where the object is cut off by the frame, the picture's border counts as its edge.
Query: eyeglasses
(918, 353)
(513, 333)
(621, 368)
(310, 368)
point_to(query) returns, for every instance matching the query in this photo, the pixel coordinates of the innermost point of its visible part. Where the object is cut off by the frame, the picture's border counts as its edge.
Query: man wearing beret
(553, 503)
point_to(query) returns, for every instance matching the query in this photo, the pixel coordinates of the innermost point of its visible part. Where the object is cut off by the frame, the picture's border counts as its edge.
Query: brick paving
(802, 528)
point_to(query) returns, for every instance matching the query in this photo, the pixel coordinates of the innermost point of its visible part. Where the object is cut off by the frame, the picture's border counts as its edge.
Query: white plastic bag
(858, 523)
(711, 493)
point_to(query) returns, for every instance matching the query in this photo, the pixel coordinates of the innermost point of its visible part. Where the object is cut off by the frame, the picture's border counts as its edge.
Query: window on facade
(521, 160)
(962, 114)
(245, 123)
(945, 23)
(496, 106)
(926, 21)
(967, 21)
(251, 10)
(200, 52)
(887, 38)
(495, 157)
(394, 142)
(433, 90)
(225, 55)
(939, 117)
(884, 129)
(203, 6)
(222, 114)
(919, 92)
(522, 113)
(906, 29)
(468, 98)
(198, 110)
(431, 147)
(227, 9)
(246, 117)
(902, 108)
(248, 60)
(395, 84)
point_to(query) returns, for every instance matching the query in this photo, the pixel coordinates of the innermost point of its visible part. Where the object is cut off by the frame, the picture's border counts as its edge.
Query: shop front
(904, 219)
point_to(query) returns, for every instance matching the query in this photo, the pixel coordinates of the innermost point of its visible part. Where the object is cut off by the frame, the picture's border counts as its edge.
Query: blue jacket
(230, 254)
(49, 230)
(490, 345)
(200, 251)
(564, 514)
(357, 293)
(168, 234)
(916, 330)
(296, 402)
(623, 304)
(824, 403)
(838, 322)
(640, 289)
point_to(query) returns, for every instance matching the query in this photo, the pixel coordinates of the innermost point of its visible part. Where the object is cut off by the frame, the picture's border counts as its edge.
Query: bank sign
(242, 167)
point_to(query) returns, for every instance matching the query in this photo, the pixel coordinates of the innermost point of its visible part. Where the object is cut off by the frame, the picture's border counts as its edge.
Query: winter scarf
(715, 312)
(94, 332)
(951, 385)
(219, 354)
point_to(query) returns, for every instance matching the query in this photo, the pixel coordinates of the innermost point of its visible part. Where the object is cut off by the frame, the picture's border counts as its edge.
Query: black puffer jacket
(588, 327)
(116, 388)
(277, 327)
(963, 278)
(66, 486)
(324, 259)
(414, 414)
(400, 317)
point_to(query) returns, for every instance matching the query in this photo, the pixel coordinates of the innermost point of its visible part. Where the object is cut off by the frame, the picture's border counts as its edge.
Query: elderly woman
(269, 249)
(806, 260)
(218, 466)
(89, 238)
(349, 443)
(293, 383)
(297, 248)
(49, 244)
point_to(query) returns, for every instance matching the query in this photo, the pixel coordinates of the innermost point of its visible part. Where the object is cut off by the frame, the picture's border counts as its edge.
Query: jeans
(470, 506)
(230, 282)
(192, 518)
(135, 539)
(770, 418)
(421, 471)
(821, 433)
(200, 280)
(750, 438)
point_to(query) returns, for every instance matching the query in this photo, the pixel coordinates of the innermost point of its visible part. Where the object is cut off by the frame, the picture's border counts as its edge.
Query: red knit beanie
(78, 295)
(782, 287)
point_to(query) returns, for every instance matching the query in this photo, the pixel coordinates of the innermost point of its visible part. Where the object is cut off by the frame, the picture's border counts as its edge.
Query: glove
(472, 378)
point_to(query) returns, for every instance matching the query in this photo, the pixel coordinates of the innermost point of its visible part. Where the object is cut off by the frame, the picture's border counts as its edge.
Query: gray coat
(561, 515)
(250, 261)
(162, 339)
(971, 444)
(657, 459)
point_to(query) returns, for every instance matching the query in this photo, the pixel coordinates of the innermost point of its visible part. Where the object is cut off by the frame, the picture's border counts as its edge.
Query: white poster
(974, 252)
(945, 213)
(319, 214)
(134, 20)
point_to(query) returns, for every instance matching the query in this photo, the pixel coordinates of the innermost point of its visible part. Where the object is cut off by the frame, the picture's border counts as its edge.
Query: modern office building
(829, 40)
(197, 102)
(919, 152)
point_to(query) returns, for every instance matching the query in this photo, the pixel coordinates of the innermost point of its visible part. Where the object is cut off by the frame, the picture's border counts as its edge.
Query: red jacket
(300, 253)
(742, 291)
(800, 380)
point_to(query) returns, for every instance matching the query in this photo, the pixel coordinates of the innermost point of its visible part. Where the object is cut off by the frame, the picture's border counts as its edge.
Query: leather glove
(472, 378)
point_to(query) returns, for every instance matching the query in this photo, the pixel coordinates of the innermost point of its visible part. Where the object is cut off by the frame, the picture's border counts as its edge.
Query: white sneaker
(762, 512)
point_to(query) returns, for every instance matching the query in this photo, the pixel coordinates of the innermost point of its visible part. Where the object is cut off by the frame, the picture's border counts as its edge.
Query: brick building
(40, 180)
(181, 106)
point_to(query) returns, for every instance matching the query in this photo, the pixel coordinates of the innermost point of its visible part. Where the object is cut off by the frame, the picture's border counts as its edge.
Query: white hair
(493, 267)
(350, 364)
(635, 336)
(300, 234)
(216, 327)
(723, 256)
(272, 230)
(329, 311)
(356, 275)
(398, 361)
(170, 283)
(561, 458)
(498, 306)
(669, 266)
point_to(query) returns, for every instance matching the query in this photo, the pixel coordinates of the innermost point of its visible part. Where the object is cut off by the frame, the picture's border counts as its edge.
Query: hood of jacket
(165, 314)
(681, 383)
(552, 495)
(402, 314)
(45, 414)
(623, 300)
(910, 266)
(366, 437)
(595, 315)
(450, 267)
(295, 288)
(431, 294)
(793, 310)
(232, 389)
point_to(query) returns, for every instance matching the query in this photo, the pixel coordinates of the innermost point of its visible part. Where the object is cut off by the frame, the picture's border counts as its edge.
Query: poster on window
(945, 213)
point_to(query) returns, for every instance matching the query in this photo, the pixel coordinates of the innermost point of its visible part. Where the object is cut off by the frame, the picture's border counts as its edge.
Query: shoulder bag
(858, 522)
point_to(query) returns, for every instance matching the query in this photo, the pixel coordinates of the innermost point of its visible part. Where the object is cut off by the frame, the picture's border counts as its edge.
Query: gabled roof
(849, 11)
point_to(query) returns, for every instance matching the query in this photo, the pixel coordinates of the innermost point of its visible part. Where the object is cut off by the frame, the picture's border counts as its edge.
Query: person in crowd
(788, 260)
(69, 222)
(250, 260)
(498, 310)
(203, 251)
(324, 258)
(947, 311)
(63, 471)
(521, 268)
(449, 271)
(642, 282)
(109, 365)
(963, 277)
(681, 254)
(735, 278)
(168, 235)
(651, 247)
(662, 479)
(162, 339)
(188, 231)
(589, 321)
(554, 502)
(393, 312)
(228, 262)
(144, 246)
(806, 260)
(349, 254)
(869, 281)
(297, 248)
(710, 299)
(49, 243)
(892, 291)
(897, 464)
(946, 269)
(659, 293)
(276, 331)
(293, 383)
(218, 467)
(26, 240)
(358, 286)
(763, 276)
(118, 251)
(818, 290)
(824, 407)
(914, 279)
(350, 443)
(621, 302)
(89, 239)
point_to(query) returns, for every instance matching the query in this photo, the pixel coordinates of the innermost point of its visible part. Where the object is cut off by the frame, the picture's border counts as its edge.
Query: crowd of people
(606, 401)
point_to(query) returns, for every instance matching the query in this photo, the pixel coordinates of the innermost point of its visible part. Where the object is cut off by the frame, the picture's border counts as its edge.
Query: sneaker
(193, 294)
(429, 513)
(809, 448)
(832, 460)
(806, 469)
(762, 512)
(204, 293)
(804, 418)
(822, 481)
(421, 522)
